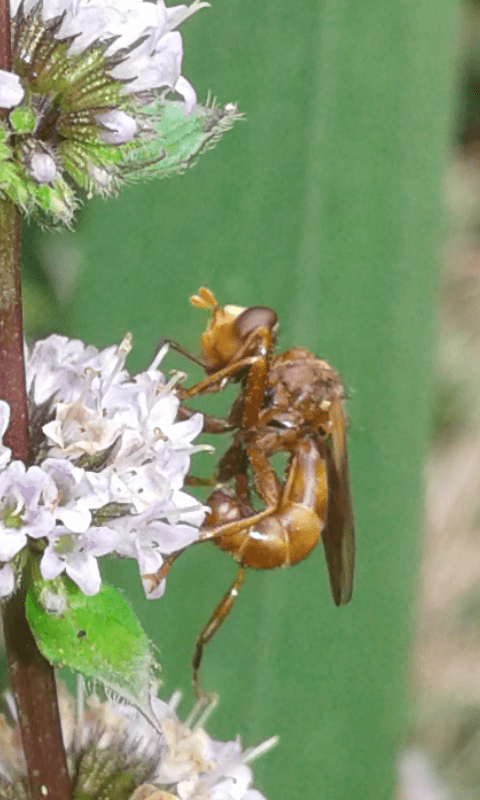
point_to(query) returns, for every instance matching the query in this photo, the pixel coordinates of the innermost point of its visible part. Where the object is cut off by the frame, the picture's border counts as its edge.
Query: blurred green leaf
(38, 307)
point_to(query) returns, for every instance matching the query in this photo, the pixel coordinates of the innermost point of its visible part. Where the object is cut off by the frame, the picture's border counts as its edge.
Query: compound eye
(253, 318)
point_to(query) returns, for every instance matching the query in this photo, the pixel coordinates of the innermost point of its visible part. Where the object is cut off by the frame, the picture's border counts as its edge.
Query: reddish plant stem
(12, 375)
(12, 372)
(5, 40)
(33, 684)
(32, 677)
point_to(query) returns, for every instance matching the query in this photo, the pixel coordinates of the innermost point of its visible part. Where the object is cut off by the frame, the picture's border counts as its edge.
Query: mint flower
(87, 101)
(22, 514)
(109, 462)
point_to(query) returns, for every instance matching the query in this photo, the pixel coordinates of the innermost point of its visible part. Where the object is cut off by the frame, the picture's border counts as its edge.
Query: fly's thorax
(304, 385)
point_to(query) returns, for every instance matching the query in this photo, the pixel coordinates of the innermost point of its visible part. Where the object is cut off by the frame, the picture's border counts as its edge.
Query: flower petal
(42, 168)
(7, 580)
(188, 93)
(11, 89)
(121, 127)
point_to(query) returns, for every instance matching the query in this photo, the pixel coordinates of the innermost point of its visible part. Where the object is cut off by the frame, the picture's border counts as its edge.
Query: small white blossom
(7, 580)
(122, 21)
(42, 167)
(11, 90)
(157, 532)
(21, 510)
(70, 495)
(155, 63)
(76, 554)
(120, 127)
(70, 370)
(78, 430)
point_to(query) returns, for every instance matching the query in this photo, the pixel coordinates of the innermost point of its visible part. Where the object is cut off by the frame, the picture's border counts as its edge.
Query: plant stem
(12, 375)
(32, 677)
(33, 684)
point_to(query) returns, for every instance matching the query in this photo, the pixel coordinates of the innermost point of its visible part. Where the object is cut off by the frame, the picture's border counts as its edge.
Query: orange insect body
(303, 415)
(293, 403)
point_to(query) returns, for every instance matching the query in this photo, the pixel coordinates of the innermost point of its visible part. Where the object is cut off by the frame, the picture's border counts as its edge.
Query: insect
(295, 402)
(236, 346)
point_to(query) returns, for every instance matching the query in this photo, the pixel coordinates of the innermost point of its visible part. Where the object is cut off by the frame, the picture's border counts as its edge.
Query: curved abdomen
(291, 532)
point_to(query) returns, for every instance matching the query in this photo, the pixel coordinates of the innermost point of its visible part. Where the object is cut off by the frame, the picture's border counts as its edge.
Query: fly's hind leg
(156, 578)
(206, 535)
(209, 630)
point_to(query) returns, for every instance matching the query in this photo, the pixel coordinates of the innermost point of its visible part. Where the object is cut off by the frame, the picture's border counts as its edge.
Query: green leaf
(180, 139)
(98, 636)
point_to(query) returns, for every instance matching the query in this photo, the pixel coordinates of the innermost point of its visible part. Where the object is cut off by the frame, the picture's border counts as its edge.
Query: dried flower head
(114, 753)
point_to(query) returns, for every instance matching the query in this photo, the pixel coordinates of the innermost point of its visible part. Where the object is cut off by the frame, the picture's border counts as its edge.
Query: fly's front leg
(180, 349)
(216, 381)
(209, 630)
(256, 380)
(210, 424)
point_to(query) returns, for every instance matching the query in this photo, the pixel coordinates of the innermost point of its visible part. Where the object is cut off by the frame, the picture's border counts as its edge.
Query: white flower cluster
(108, 462)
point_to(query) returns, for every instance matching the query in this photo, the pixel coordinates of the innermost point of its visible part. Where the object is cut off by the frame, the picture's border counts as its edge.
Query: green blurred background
(325, 203)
